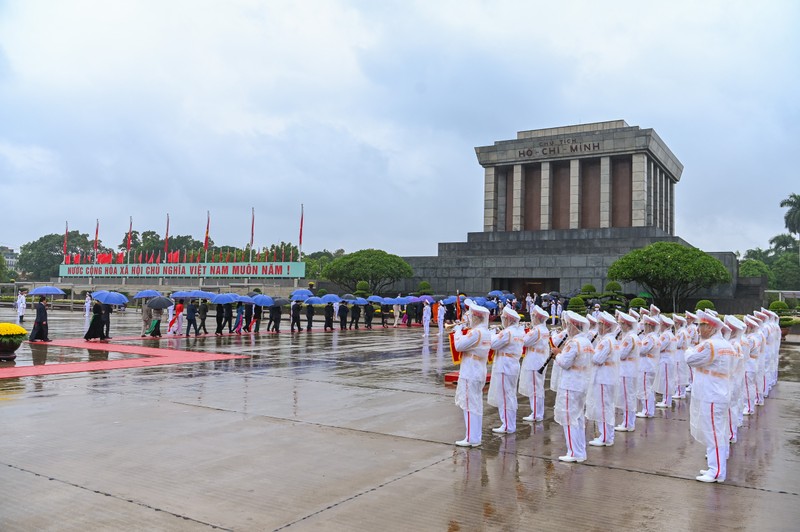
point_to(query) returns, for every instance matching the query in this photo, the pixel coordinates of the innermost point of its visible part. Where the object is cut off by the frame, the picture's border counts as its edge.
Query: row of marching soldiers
(609, 368)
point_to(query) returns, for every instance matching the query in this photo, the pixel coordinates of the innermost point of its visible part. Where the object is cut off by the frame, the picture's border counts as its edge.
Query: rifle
(552, 356)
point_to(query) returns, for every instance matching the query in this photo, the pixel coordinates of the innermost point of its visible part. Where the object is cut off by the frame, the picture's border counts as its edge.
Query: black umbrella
(280, 301)
(160, 302)
(348, 296)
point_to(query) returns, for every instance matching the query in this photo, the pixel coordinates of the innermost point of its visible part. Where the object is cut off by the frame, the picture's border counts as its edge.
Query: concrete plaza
(349, 430)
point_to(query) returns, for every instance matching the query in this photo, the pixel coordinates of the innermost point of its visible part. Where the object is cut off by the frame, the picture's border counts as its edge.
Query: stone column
(605, 192)
(671, 207)
(574, 194)
(517, 198)
(639, 190)
(545, 215)
(489, 200)
(502, 191)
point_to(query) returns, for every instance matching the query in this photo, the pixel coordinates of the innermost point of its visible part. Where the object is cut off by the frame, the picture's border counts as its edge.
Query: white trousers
(646, 394)
(576, 438)
(627, 401)
(474, 426)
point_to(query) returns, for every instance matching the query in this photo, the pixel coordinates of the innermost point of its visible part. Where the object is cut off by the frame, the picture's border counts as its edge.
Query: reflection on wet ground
(350, 431)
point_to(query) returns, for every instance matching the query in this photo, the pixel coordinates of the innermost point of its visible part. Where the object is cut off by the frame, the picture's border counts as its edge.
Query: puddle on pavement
(39, 354)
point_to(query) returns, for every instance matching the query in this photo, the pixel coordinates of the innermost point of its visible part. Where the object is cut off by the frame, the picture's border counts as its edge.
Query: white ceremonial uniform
(666, 374)
(426, 319)
(753, 341)
(21, 304)
(628, 373)
(474, 347)
(507, 345)
(557, 339)
(395, 311)
(531, 382)
(712, 361)
(601, 396)
(440, 318)
(761, 363)
(681, 369)
(649, 349)
(741, 349)
(574, 361)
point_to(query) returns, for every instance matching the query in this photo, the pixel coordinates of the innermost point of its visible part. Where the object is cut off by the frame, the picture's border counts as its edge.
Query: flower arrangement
(11, 333)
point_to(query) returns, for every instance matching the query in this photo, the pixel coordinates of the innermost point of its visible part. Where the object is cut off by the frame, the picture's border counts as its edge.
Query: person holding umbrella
(40, 328)
(329, 316)
(343, 310)
(97, 325)
(147, 317)
(191, 318)
(295, 315)
(202, 311)
(369, 313)
(309, 317)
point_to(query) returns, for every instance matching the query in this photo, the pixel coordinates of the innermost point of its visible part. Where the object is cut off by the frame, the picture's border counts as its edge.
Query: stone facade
(560, 206)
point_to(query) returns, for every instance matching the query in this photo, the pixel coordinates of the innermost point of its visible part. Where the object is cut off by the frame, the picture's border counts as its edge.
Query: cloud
(368, 112)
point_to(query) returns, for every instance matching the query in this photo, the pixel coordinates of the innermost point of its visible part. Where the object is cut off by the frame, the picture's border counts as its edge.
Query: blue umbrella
(302, 292)
(202, 294)
(109, 298)
(263, 300)
(414, 299)
(360, 301)
(429, 299)
(314, 300)
(147, 293)
(245, 299)
(449, 300)
(495, 293)
(296, 296)
(489, 304)
(181, 294)
(481, 301)
(224, 299)
(375, 299)
(389, 301)
(46, 291)
(331, 298)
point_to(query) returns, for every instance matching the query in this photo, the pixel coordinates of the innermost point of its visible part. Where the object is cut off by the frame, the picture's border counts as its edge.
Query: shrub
(637, 302)
(786, 321)
(779, 307)
(576, 304)
(424, 288)
(704, 304)
(613, 286)
(321, 292)
(362, 289)
(588, 289)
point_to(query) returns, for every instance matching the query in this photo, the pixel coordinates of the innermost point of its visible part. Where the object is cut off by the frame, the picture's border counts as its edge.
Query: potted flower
(11, 337)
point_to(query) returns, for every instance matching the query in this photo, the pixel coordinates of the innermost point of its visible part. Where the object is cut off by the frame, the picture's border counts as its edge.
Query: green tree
(792, 216)
(669, 271)
(424, 288)
(5, 273)
(756, 268)
(787, 272)
(378, 268)
(758, 254)
(782, 243)
(136, 241)
(41, 258)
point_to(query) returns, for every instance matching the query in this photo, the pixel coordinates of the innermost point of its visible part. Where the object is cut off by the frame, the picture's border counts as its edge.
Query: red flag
(301, 225)
(140, 257)
(67, 259)
(166, 237)
(120, 257)
(252, 226)
(228, 256)
(149, 258)
(66, 232)
(130, 230)
(96, 235)
(275, 254)
(184, 255)
(158, 258)
(220, 256)
(77, 258)
(208, 226)
(283, 254)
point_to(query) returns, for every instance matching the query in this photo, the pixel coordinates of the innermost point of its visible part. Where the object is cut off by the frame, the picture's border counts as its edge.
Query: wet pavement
(349, 430)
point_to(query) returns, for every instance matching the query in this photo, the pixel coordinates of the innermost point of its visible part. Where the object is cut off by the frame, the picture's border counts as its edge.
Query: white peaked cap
(607, 318)
(539, 311)
(734, 323)
(511, 313)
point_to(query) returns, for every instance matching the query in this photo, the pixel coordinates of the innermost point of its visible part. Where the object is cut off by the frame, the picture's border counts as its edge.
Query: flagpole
(300, 247)
(252, 231)
(208, 225)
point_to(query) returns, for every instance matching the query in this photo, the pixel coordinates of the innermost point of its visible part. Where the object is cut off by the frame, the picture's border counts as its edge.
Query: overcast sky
(368, 112)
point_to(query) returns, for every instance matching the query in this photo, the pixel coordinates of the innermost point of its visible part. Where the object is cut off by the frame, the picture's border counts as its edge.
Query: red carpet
(152, 356)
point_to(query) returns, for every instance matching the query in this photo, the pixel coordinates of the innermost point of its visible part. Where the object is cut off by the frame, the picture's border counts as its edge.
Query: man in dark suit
(309, 316)
(296, 308)
(369, 312)
(40, 327)
(107, 310)
(355, 316)
(343, 310)
(329, 317)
